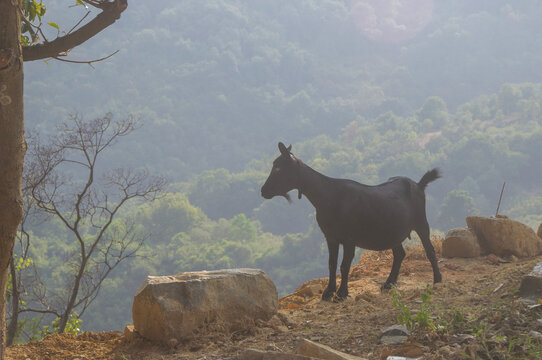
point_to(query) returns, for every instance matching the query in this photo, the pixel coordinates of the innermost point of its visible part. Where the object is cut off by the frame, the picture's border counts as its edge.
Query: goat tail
(429, 176)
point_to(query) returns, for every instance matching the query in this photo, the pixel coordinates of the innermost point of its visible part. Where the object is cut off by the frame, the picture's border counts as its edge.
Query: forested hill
(218, 220)
(215, 83)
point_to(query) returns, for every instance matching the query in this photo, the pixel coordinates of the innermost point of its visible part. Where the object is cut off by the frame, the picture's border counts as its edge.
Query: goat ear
(289, 148)
(283, 150)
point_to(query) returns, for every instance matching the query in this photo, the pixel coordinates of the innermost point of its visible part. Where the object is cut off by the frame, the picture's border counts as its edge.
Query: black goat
(352, 214)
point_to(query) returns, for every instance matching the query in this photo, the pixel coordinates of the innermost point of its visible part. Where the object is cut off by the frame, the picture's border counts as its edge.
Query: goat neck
(312, 184)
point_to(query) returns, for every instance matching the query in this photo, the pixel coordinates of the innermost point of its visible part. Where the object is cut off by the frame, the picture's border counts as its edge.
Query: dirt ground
(473, 314)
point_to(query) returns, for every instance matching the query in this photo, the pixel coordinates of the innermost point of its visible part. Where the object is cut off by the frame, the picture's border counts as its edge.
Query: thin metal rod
(500, 198)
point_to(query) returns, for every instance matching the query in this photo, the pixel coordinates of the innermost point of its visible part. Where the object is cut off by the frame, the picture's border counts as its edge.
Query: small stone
(461, 338)
(493, 259)
(393, 340)
(446, 351)
(172, 342)
(129, 332)
(319, 351)
(253, 354)
(531, 284)
(286, 320)
(396, 330)
(535, 334)
(274, 322)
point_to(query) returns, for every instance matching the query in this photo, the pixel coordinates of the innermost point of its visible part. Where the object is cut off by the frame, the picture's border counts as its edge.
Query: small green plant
(423, 318)
(405, 315)
(73, 326)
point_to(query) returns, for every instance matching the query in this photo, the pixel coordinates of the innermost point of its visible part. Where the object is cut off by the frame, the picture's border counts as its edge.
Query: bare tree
(24, 279)
(13, 51)
(85, 206)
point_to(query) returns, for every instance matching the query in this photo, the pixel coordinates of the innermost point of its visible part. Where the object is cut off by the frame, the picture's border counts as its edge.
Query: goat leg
(398, 256)
(423, 233)
(348, 255)
(333, 248)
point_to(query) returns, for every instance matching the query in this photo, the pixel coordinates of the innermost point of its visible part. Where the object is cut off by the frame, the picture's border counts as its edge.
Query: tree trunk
(12, 144)
(73, 297)
(12, 326)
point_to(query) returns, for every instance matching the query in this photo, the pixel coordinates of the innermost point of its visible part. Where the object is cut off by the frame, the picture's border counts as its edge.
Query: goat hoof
(387, 286)
(341, 295)
(328, 294)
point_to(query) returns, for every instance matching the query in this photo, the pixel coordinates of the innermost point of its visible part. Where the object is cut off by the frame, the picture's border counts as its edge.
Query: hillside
(475, 312)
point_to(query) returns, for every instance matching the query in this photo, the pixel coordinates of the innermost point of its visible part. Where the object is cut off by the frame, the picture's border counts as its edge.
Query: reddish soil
(475, 312)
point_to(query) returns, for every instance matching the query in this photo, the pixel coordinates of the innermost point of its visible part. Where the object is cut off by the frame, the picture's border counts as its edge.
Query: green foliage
(423, 319)
(32, 10)
(284, 239)
(73, 326)
(20, 265)
(434, 110)
(167, 216)
(405, 314)
(456, 206)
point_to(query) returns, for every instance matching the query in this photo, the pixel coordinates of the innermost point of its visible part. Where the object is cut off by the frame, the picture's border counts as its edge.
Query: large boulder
(169, 308)
(503, 236)
(539, 232)
(460, 242)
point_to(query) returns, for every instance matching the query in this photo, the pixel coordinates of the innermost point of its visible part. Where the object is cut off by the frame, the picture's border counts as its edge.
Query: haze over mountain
(362, 89)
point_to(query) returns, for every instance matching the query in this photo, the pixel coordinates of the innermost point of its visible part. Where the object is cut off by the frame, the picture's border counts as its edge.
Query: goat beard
(287, 197)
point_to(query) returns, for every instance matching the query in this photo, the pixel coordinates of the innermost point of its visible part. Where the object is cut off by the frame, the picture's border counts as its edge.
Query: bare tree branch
(87, 207)
(88, 62)
(111, 11)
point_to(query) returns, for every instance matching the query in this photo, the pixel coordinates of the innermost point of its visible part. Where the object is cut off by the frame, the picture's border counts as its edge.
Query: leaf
(54, 25)
(79, 2)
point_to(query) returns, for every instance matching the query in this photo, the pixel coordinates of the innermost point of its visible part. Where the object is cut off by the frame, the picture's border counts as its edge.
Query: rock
(539, 232)
(394, 335)
(493, 259)
(275, 322)
(286, 320)
(531, 284)
(172, 342)
(172, 307)
(407, 351)
(446, 351)
(460, 242)
(393, 340)
(252, 354)
(309, 290)
(396, 330)
(505, 237)
(130, 333)
(319, 351)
